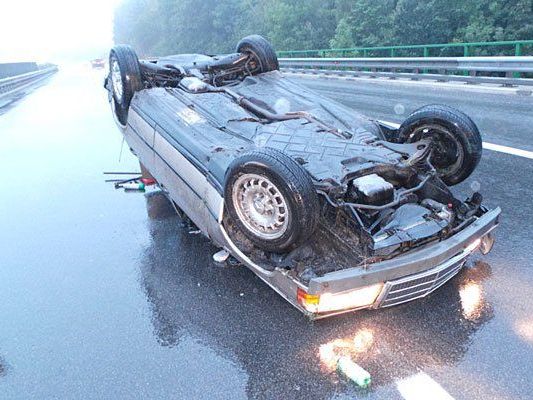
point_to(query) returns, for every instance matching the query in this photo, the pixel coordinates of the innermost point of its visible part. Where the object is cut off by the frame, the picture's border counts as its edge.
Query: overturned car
(334, 210)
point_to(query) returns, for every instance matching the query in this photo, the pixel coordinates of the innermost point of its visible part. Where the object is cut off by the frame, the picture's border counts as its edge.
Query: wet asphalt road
(504, 117)
(106, 295)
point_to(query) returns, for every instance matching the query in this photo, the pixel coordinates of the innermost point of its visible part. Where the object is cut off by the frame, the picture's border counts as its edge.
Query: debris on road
(133, 186)
(354, 372)
(221, 256)
(148, 181)
(130, 184)
(138, 183)
(122, 173)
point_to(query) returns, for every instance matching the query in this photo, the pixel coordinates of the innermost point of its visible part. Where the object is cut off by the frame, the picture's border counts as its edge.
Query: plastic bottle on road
(354, 372)
(133, 186)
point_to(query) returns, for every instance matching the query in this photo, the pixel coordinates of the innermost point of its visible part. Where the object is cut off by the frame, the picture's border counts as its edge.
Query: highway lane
(504, 117)
(106, 295)
(7, 101)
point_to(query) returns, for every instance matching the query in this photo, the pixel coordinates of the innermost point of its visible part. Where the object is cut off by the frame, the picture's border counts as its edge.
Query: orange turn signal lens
(308, 301)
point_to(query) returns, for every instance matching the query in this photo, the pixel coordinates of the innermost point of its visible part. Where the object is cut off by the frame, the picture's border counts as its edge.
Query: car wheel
(271, 199)
(125, 79)
(457, 143)
(262, 52)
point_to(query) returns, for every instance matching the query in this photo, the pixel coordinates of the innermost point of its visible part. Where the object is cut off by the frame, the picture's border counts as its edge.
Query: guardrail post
(443, 73)
(472, 74)
(426, 54)
(510, 75)
(466, 53)
(518, 53)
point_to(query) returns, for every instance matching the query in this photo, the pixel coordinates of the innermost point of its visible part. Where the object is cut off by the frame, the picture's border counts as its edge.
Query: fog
(56, 30)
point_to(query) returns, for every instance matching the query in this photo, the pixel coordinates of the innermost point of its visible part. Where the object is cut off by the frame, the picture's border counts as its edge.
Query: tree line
(156, 27)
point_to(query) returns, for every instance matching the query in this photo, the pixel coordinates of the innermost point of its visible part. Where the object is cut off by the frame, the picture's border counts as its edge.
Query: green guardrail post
(466, 53)
(392, 52)
(518, 53)
(426, 54)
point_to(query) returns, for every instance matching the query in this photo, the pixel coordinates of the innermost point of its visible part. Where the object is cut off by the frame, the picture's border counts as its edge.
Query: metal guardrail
(8, 69)
(500, 48)
(435, 68)
(13, 84)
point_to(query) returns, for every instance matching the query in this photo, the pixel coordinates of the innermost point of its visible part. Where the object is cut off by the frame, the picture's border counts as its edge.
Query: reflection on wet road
(286, 355)
(107, 295)
(3, 367)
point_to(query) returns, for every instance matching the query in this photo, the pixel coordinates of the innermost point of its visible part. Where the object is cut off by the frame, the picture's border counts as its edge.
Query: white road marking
(490, 146)
(393, 124)
(421, 387)
(508, 150)
(486, 145)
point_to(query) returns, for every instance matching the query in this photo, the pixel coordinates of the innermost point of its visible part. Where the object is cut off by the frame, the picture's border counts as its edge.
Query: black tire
(130, 73)
(457, 140)
(262, 51)
(294, 184)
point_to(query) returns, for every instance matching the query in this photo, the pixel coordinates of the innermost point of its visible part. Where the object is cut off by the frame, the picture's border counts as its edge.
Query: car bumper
(399, 280)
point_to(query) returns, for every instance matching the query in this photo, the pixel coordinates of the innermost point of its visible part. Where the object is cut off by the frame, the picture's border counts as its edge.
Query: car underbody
(335, 154)
(377, 199)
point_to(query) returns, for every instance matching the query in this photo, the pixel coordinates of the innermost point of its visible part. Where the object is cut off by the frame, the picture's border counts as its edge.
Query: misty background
(79, 30)
(156, 27)
(59, 31)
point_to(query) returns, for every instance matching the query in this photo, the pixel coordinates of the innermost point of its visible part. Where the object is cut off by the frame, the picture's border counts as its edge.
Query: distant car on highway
(334, 210)
(98, 63)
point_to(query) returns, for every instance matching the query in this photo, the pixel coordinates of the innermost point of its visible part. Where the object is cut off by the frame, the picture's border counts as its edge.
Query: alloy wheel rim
(260, 206)
(116, 78)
